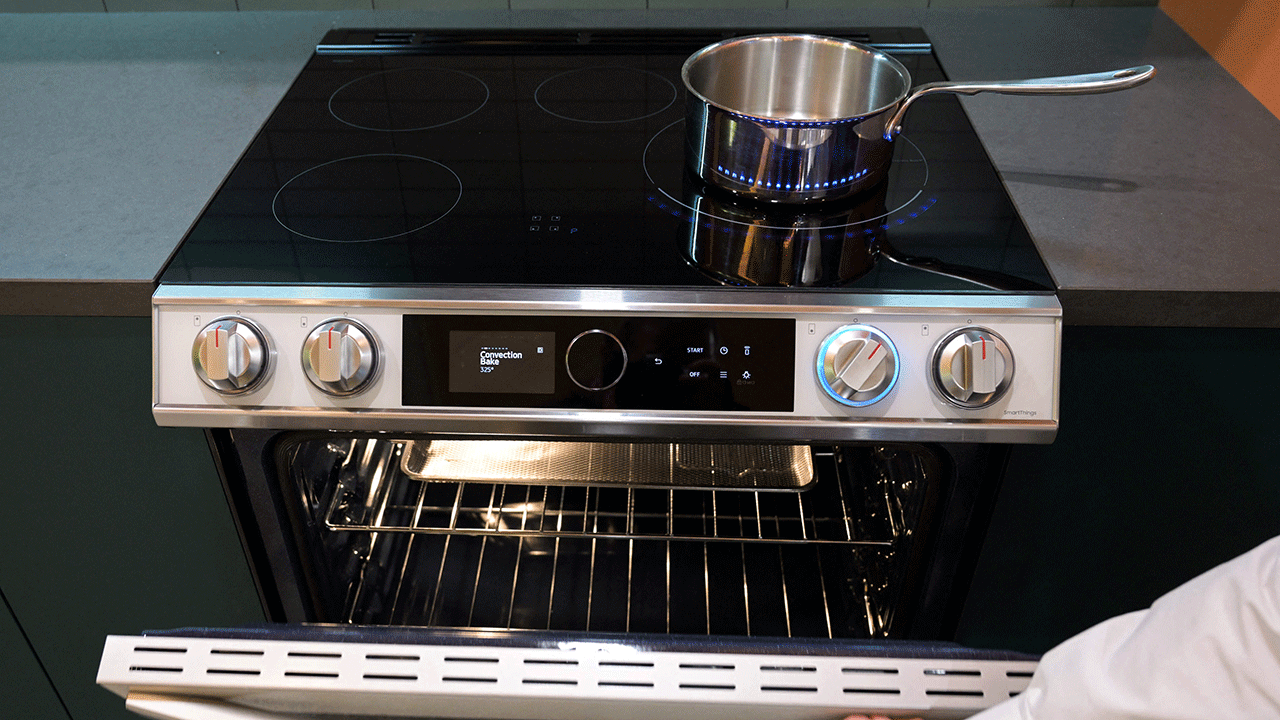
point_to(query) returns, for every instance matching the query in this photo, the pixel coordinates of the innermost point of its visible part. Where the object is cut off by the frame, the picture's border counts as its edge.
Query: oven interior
(684, 539)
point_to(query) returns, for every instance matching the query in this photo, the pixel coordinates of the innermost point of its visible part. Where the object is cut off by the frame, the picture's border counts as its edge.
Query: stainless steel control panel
(821, 367)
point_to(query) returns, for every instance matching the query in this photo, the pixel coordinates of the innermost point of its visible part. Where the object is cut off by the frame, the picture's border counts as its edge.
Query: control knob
(230, 355)
(972, 367)
(857, 365)
(340, 357)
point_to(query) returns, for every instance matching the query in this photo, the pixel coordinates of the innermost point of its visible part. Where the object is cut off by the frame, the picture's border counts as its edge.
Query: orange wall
(1242, 35)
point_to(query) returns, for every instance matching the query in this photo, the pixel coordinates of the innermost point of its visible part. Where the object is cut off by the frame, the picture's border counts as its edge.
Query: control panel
(600, 362)
(808, 374)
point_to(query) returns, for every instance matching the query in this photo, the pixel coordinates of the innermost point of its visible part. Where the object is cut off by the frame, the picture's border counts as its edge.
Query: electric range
(494, 233)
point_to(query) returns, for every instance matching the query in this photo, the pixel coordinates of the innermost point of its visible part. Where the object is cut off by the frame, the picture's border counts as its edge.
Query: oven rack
(617, 585)
(385, 500)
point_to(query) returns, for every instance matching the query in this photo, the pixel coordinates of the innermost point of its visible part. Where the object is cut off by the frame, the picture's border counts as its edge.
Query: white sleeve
(1208, 649)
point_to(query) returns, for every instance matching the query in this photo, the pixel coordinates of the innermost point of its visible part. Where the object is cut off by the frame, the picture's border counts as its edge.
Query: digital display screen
(502, 362)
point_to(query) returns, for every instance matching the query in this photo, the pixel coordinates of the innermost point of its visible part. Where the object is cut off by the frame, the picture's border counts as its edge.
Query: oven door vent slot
(788, 688)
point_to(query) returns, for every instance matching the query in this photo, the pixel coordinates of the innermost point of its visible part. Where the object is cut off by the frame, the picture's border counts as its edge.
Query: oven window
(776, 541)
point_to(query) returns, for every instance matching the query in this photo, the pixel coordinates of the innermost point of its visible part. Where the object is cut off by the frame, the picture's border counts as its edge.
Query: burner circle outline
(695, 211)
(275, 200)
(336, 116)
(674, 94)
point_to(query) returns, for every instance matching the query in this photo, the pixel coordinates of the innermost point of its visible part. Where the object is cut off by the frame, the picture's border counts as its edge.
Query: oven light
(512, 516)
(525, 507)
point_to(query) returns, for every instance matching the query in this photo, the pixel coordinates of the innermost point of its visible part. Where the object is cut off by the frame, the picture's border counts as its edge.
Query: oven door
(414, 575)
(325, 672)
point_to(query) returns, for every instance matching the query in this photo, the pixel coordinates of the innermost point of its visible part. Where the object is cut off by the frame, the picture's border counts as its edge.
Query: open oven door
(326, 671)
(456, 598)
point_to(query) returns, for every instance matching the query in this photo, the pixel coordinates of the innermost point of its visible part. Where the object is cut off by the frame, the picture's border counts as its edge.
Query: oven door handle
(175, 707)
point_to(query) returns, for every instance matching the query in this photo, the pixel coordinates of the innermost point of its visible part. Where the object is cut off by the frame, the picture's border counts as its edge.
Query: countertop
(1158, 206)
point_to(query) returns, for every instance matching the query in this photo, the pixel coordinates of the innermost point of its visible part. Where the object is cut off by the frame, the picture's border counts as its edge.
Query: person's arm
(1209, 649)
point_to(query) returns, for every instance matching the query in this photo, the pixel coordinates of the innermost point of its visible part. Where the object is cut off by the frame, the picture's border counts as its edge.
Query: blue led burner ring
(918, 201)
(751, 181)
(828, 375)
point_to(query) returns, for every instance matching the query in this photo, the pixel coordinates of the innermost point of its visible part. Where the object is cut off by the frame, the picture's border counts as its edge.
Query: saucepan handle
(1087, 84)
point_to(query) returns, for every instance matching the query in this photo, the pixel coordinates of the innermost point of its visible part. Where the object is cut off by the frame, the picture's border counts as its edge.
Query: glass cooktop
(556, 158)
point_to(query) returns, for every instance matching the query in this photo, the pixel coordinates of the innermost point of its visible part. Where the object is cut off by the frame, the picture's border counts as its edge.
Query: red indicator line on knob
(330, 333)
(984, 348)
(873, 352)
(216, 333)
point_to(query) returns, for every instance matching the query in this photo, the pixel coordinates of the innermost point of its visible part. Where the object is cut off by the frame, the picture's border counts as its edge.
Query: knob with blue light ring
(857, 365)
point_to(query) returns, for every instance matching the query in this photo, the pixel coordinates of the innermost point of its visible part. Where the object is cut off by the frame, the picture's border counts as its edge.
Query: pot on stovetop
(807, 118)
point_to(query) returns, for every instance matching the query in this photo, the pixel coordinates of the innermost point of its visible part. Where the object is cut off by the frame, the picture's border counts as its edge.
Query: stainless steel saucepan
(806, 118)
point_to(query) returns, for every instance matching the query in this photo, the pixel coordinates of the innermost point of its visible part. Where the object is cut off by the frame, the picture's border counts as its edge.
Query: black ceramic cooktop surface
(556, 159)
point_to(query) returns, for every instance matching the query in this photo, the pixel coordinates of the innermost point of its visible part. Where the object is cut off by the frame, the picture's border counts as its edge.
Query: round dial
(972, 367)
(857, 365)
(595, 360)
(230, 355)
(340, 357)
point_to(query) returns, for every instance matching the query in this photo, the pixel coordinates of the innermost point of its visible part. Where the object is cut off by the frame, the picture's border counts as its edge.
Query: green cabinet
(112, 524)
(1167, 463)
(26, 689)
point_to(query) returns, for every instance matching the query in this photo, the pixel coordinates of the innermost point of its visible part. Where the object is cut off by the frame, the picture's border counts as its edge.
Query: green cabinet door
(112, 524)
(23, 684)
